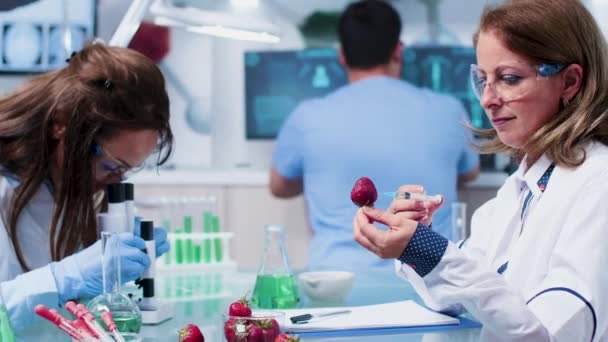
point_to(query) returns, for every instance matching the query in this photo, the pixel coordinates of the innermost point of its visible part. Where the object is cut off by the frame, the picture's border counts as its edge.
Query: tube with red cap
(63, 324)
(80, 311)
(108, 320)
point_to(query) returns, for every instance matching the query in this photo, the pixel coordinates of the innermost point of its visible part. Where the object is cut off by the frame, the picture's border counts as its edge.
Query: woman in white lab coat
(534, 268)
(64, 136)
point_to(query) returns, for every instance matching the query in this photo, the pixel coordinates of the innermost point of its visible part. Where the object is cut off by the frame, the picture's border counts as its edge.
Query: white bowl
(326, 286)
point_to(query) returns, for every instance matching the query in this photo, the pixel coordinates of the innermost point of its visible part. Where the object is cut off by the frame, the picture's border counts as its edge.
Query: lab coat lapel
(505, 215)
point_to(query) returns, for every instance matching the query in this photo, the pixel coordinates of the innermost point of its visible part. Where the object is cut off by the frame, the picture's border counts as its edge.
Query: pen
(414, 196)
(301, 319)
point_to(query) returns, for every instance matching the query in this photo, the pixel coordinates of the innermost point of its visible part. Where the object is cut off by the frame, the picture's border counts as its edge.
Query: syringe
(414, 196)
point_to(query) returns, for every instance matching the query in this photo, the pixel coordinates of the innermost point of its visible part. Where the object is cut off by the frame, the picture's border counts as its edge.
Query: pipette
(64, 325)
(107, 319)
(80, 311)
(414, 196)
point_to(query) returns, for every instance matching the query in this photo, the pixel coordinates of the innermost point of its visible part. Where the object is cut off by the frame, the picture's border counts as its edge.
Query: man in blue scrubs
(377, 126)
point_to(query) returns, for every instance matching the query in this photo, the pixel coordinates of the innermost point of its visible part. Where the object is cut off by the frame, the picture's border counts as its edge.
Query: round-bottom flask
(125, 312)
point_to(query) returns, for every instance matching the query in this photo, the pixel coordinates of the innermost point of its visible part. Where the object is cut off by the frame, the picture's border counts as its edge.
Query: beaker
(459, 221)
(275, 285)
(125, 312)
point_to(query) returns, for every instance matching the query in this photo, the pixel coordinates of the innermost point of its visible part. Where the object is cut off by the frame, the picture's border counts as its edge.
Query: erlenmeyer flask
(125, 312)
(275, 286)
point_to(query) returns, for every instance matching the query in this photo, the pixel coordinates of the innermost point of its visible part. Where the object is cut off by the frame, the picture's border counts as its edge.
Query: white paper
(389, 315)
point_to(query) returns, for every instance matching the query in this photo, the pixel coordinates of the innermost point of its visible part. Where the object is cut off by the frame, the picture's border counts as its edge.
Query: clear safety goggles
(107, 164)
(513, 84)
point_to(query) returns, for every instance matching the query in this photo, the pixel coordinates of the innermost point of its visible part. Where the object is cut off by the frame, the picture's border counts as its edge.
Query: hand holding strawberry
(190, 333)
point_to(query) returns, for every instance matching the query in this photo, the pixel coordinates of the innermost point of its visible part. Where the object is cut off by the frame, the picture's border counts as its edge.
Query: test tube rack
(194, 233)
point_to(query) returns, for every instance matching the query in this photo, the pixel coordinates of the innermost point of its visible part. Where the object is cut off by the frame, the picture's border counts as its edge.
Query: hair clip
(549, 69)
(71, 56)
(108, 84)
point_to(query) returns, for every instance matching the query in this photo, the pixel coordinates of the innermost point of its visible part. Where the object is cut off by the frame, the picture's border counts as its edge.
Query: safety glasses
(514, 82)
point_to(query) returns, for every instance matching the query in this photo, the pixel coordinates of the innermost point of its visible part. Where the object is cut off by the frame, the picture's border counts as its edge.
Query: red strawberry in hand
(364, 192)
(286, 338)
(240, 308)
(190, 333)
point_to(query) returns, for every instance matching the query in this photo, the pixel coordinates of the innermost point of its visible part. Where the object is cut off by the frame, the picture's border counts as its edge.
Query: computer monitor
(33, 34)
(276, 81)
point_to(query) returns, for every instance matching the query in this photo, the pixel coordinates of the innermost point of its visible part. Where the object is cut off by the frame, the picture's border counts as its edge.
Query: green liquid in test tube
(167, 226)
(198, 253)
(207, 228)
(179, 252)
(189, 247)
(215, 226)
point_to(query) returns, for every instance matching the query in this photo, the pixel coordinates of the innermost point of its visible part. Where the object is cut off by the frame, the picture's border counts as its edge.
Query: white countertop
(252, 177)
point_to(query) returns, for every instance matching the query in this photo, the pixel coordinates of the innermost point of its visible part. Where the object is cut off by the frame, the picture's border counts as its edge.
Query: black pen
(301, 319)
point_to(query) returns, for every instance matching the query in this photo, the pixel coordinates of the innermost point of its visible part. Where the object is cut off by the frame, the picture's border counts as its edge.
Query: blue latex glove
(80, 274)
(160, 237)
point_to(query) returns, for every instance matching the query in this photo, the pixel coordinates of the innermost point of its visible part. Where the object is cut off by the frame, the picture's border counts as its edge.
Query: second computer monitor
(276, 81)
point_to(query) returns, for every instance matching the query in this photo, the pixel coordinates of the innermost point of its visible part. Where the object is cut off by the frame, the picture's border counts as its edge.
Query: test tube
(179, 243)
(207, 228)
(215, 228)
(187, 207)
(166, 223)
(459, 221)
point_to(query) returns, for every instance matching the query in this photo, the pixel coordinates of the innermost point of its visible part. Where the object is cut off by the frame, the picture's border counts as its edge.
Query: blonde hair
(562, 32)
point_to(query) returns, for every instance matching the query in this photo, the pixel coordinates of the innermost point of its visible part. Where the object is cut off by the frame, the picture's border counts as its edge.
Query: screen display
(38, 36)
(276, 81)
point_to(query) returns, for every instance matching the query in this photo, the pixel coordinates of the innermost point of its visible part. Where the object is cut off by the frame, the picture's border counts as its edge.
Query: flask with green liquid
(6, 331)
(275, 286)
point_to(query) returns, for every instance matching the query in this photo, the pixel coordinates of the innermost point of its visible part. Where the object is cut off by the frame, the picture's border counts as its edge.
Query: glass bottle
(6, 331)
(459, 221)
(275, 286)
(126, 313)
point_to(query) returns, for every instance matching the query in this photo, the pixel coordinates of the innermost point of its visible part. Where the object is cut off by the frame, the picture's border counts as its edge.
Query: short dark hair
(369, 32)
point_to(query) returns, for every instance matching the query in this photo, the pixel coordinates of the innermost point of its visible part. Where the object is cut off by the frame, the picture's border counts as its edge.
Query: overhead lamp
(218, 23)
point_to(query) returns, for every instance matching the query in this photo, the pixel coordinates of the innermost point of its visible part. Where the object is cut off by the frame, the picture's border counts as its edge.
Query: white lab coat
(555, 287)
(21, 292)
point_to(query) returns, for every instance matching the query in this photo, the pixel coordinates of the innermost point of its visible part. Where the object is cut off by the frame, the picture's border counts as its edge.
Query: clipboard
(389, 318)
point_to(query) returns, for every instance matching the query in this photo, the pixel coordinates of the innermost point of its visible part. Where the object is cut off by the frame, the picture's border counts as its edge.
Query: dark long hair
(101, 90)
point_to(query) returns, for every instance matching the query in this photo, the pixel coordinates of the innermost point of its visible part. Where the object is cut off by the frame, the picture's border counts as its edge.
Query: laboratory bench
(201, 298)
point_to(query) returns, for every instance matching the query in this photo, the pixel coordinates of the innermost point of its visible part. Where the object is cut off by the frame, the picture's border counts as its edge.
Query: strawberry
(229, 329)
(364, 192)
(270, 329)
(190, 333)
(240, 308)
(254, 333)
(286, 338)
(235, 330)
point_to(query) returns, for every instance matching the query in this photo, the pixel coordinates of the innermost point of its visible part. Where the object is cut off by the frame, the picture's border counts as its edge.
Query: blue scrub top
(381, 128)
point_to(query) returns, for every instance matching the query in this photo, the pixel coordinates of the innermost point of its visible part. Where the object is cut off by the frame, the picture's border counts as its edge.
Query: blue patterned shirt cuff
(424, 251)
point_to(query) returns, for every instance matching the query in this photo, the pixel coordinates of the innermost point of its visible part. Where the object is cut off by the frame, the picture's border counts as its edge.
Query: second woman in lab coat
(64, 136)
(534, 268)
